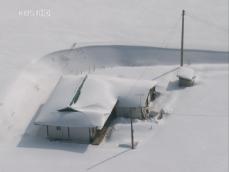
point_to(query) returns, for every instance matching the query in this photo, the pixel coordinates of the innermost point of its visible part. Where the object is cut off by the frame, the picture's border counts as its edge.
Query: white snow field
(193, 137)
(116, 38)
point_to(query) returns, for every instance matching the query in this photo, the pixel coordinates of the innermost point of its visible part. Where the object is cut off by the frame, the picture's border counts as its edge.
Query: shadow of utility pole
(108, 159)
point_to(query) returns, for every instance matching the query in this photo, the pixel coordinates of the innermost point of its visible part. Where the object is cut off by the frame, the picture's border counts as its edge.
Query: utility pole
(132, 133)
(182, 40)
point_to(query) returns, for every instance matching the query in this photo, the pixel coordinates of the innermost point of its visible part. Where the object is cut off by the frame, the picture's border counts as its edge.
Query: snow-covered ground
(152, 23)
(194, 137)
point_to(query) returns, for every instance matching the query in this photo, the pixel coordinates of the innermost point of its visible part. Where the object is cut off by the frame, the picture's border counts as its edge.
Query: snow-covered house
(65, 117)
(80, 107)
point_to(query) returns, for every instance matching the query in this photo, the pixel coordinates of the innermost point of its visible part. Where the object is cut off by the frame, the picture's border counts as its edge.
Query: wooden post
(68, 133)
(132, 133)
(47, 129)
(182, 40)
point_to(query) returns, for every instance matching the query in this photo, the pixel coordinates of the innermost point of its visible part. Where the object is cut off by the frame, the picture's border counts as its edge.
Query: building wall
(79, 135)
(185, 82)
(57, 132)
(139, 112)
(134, 112)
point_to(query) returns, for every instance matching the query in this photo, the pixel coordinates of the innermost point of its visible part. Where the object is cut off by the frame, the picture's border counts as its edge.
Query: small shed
(134, 96)
(186, 76)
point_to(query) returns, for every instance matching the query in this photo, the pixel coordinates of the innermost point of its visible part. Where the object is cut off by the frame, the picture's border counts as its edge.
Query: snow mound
(186, 73)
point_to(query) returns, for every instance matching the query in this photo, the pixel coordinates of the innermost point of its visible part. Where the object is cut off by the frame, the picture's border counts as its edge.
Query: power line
(164, 45)
(199, 114)
(166, 73)
(169, 35)
(207, 22)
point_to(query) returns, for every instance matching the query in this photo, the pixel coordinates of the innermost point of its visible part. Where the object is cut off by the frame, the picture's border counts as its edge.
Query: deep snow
(194, 137)
(131, 22)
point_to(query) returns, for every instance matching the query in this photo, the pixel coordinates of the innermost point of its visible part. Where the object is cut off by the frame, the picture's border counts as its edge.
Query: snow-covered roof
(130, 92)
(86, 112)
(98, 96)
(186, 73)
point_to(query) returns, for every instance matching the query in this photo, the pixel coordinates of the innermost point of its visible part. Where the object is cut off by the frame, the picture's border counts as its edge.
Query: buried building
(186, 76)
(81, 107)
